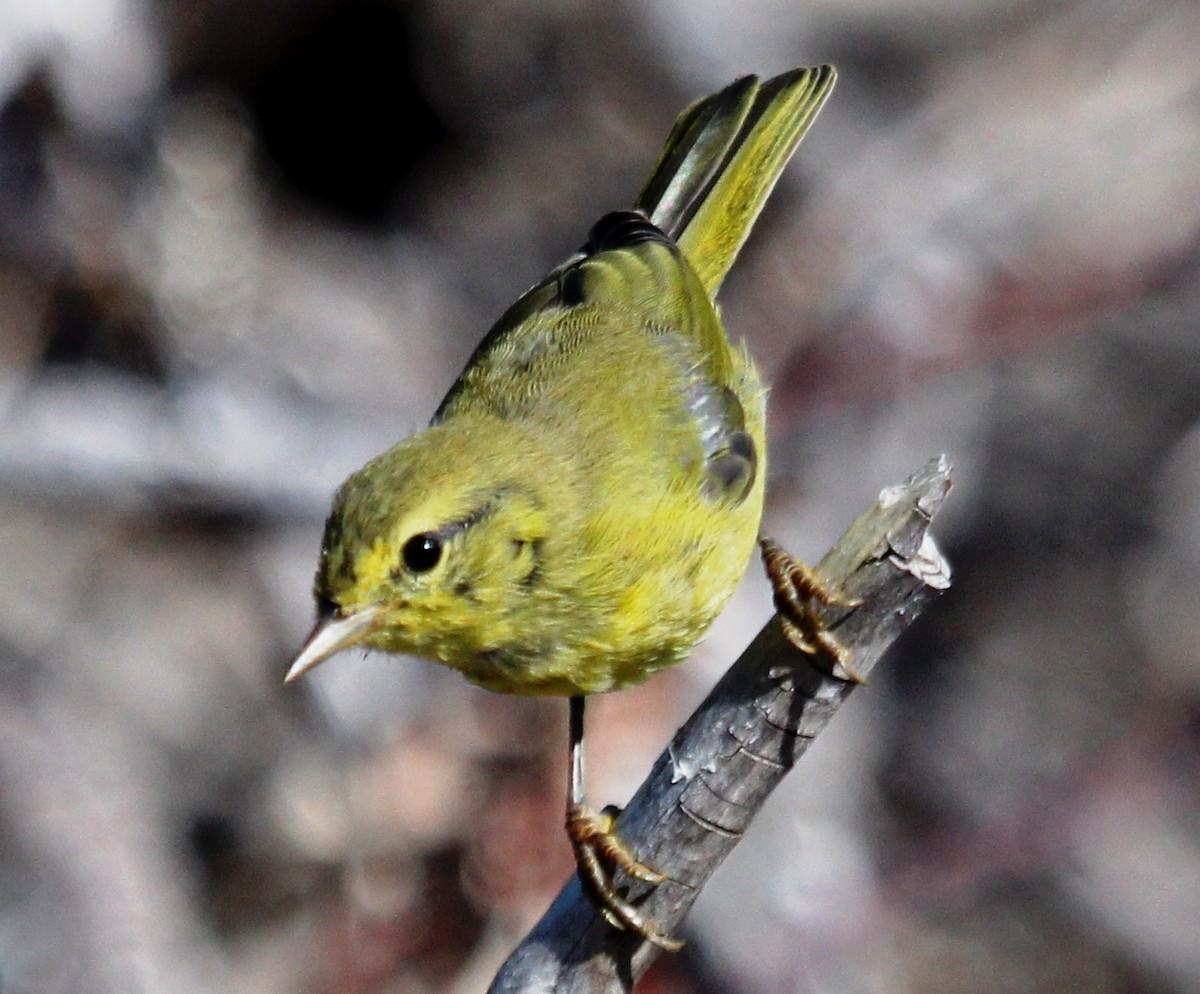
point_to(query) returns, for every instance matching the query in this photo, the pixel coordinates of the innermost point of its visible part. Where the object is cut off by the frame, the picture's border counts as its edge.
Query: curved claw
(796, 586)
(598, 850)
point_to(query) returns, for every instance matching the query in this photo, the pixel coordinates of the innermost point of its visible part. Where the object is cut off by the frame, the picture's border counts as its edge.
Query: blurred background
(243, 247)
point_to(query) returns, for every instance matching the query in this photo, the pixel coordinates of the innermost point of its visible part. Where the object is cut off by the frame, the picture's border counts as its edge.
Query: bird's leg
(796, 587)
(599, 850)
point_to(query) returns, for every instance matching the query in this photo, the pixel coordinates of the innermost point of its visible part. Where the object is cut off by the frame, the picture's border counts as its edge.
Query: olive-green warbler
(589, 491)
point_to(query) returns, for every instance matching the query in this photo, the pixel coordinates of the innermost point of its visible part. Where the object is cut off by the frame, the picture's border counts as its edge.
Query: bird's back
(656, 424)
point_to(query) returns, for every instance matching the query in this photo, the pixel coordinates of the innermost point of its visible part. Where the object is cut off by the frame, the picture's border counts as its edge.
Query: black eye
(422, 552)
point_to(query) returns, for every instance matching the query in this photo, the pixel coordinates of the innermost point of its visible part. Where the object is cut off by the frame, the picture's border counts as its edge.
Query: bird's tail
(721, 162)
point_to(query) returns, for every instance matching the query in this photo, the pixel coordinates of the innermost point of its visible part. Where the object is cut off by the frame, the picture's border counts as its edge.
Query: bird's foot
(598, 852)
(796, 588)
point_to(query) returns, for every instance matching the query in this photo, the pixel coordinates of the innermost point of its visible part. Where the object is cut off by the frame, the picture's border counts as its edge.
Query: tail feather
(722, 160)
(697, 148)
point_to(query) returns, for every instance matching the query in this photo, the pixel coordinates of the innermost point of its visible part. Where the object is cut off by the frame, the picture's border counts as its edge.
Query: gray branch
(718, 770)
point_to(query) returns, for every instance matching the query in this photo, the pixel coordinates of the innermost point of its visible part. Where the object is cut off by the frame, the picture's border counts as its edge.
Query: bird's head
(431, 548)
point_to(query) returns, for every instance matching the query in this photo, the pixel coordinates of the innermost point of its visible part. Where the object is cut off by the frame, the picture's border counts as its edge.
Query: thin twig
(704, 790)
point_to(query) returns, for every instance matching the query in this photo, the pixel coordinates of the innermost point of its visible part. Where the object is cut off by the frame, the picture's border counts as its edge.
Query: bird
(590, 490)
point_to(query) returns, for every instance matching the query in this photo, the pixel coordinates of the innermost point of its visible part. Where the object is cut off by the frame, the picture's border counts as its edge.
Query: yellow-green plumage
(593, 483)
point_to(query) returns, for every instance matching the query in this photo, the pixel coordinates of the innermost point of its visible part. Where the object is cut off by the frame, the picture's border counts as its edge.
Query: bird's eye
(422, 552)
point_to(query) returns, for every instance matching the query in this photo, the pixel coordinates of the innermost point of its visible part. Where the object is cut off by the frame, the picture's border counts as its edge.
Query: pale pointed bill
(331, 635)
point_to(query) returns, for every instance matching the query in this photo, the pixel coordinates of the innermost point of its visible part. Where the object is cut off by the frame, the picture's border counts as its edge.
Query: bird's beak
(332, 633)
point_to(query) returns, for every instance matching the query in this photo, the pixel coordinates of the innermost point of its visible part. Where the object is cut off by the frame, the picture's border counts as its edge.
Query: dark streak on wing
(621, 229)
(730, 458)
(730, 471)
(570, 287)
(730, 455)
(565, 286)
(616, 230)
(545, 294)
